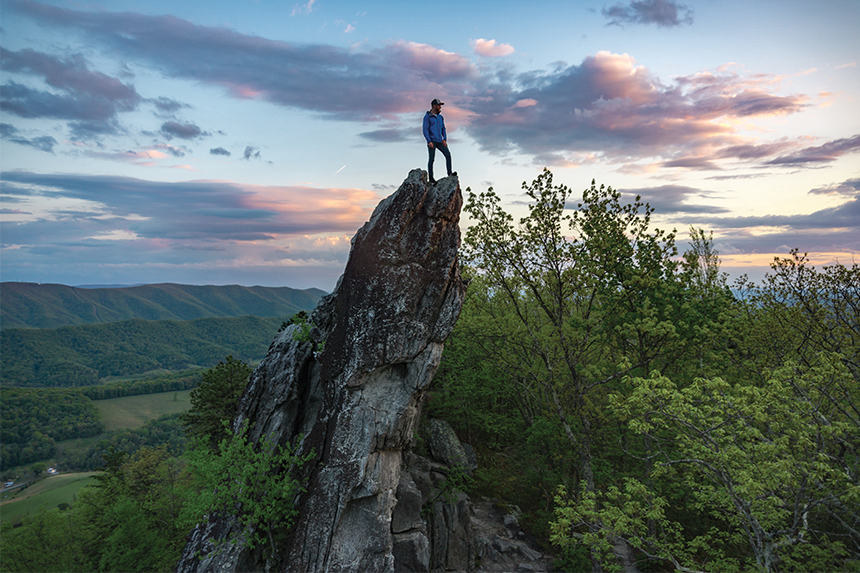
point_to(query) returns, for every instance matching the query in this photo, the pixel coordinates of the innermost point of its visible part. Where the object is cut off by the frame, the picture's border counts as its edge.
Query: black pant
(432, 153)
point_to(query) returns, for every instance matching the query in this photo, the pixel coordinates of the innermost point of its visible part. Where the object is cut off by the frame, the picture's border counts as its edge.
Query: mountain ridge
(84, 355)
(36, 305)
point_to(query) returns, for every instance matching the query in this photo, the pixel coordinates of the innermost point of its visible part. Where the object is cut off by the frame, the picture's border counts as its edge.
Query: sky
(245, 142)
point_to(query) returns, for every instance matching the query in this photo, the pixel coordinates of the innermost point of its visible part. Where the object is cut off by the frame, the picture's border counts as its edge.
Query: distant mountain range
(88, 354)
(31, 305)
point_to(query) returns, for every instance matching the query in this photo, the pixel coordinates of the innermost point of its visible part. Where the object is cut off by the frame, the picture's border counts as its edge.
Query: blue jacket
(434, 128)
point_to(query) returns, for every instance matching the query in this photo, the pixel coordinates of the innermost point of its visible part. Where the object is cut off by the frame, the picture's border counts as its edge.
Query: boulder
(446, 447)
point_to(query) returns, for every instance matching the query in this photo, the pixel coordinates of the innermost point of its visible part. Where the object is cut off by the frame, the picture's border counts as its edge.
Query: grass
(134, 411)
(49, 492)
(117, 413)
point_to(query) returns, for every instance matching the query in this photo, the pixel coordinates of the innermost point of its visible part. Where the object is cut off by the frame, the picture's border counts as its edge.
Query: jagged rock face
(356, 403)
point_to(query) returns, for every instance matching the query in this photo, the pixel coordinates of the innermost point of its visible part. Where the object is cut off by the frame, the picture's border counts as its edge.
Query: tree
(703, 260)
(797, 313)
(570, 303)
(216, 399)
(38, 469)
(47, 541)
(762, 463)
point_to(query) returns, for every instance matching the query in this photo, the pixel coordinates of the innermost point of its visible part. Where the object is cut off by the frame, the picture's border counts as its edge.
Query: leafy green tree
(764, 464)
(216, 399)
(48, 541)
(703, 261)
(38, 469)
(570, 302)
(797, 313)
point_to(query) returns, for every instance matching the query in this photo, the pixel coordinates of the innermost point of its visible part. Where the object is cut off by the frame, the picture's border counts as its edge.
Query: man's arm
(426, 128)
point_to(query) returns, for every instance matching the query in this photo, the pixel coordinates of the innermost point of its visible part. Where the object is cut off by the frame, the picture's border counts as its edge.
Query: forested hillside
(33, 421)
(30, 305)
(82, 355)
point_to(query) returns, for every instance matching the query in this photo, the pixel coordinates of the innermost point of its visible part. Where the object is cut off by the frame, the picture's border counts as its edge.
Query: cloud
(835, 229)
(845, 216)
(208, 211)
(167, 105)
(829, 152)
(606, 108)
(697, 163)
(219, 151)
(42, 143)
(489, 48)
(664, 13)
(671, 199)
(848, 188)
(146, 157)
(174, 151)
(390, 135)
(251, 153)
(90, 98)
(171, 129)
(305, 8)
(340, 82)
(610, 106)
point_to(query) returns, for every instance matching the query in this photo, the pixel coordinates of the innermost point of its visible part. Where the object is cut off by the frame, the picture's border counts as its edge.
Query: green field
(117, 413)
(49, 492)
(134, 411)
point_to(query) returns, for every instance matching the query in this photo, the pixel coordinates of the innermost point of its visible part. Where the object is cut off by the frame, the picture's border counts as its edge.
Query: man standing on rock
(436, 136)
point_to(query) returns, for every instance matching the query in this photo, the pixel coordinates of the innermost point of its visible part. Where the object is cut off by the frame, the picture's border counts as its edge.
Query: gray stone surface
(445, 446)
(355, 402)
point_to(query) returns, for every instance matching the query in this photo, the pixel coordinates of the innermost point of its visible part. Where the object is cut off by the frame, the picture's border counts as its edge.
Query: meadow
(118, 414)
(50, 492)
(133, 411)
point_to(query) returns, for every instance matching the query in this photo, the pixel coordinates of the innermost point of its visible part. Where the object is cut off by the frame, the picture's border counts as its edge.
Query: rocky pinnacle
(352, 394)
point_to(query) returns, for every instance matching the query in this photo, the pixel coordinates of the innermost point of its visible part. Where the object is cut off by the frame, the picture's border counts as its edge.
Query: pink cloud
(612, 106)
(489, 48)
(433, 63)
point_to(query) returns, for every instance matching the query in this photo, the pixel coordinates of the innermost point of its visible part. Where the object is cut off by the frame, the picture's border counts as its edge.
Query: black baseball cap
(436, 102)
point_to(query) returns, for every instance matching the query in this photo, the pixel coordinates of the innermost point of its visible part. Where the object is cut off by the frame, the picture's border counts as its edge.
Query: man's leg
(447, 153)
(431, 151)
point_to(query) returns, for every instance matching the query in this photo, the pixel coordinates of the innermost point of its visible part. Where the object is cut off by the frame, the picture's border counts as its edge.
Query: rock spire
(352, 393)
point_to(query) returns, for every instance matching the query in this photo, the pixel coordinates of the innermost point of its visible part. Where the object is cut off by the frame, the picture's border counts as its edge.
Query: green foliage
(129, 521)
(752, 408)
(258, 479)
(767, 463)
(303, 333)
(29, 305)
(183, 380)
(566, 303)
(300, 317)
(703, 262)
(163, 431)
(38, 468)
(797, 313)
(457, 481)
(216, 400)
(82, 355)
(49, 541)
(33, 421)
